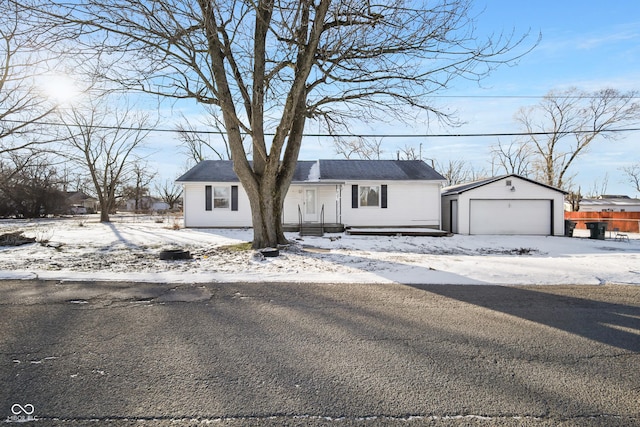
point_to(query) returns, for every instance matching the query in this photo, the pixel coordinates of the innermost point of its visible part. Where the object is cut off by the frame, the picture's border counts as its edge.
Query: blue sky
(587, 44)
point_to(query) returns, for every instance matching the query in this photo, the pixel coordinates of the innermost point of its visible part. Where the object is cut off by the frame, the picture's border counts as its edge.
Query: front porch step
(311, 230)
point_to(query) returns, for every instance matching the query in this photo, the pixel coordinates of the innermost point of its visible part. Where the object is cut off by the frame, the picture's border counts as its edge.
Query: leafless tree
(573, 198)
(170, 193)
(408, 153)
(359, 147)
(138, 183)
(514, 158)
(22, 103)
(564, 124)
(599, 187)
(198, 145)
(271, 66)
(459, 171)
(104, 135)
(633, 175)
(30, 185)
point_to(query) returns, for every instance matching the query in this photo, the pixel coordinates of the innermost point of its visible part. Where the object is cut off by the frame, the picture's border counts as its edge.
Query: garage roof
(461, 188)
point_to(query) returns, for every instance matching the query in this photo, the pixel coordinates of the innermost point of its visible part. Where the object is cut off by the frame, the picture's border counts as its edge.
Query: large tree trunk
(266, 216)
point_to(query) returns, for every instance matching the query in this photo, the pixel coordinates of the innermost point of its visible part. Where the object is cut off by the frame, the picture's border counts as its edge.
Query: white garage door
(510, 217)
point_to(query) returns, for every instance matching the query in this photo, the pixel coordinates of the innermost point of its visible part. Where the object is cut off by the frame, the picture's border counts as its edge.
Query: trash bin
(597, 230)
(569, 226)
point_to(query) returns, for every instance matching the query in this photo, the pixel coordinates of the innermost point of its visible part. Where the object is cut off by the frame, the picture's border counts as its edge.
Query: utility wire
(337, 135)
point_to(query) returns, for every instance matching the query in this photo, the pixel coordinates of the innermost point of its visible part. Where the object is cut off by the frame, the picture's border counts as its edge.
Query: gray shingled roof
(391, 170)
(461, 188)
(330, 170)
(210, 171)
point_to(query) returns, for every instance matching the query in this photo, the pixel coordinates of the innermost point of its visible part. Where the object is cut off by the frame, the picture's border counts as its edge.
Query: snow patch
(314, 172)
(127, 248)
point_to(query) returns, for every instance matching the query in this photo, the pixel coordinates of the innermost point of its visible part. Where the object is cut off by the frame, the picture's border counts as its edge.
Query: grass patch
(238, 247)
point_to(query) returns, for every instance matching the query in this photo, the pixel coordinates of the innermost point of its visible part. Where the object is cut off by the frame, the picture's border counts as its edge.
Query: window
(221, 198)
(369, 195)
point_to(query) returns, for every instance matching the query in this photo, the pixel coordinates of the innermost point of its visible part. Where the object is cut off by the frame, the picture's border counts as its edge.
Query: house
(509, 204)
(610, 203)
(146, 204)
(81, 203)
(334, 194)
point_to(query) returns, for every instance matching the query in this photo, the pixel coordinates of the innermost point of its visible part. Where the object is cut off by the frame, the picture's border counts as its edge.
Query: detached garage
(508, 204)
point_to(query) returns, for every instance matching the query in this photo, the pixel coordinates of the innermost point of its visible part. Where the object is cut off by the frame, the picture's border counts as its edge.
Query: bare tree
(514, 158)
(573, 198)
(137, 186)
(360, 147)
(564, 124)
(458, 172)
(271, 66)
(599, 188)
(30, 185)
(198, 146)
(633, 175)
(103, 136)
(22, 103)
(408, 153)
(170, 193)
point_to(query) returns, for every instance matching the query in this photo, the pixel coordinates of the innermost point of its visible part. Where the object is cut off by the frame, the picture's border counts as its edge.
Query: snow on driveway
(82, 248)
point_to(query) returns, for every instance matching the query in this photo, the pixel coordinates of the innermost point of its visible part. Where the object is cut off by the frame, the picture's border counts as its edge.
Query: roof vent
(508, 183)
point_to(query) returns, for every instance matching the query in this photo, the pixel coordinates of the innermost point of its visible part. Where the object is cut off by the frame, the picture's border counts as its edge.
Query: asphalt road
(301, 354)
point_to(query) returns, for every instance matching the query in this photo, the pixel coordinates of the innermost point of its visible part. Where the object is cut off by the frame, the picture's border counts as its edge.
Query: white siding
(408, 204)
(584, 207)
(195, 214)
(446, 214)
(531, 218)
(327, 196)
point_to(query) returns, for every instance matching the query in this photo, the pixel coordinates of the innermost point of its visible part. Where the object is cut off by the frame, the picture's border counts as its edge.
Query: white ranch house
(331, 195)
(509, 204)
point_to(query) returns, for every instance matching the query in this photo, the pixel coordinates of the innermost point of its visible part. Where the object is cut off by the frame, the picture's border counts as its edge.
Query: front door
(310, 205)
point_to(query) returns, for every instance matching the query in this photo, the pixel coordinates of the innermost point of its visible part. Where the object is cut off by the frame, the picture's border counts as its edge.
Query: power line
(337, 135)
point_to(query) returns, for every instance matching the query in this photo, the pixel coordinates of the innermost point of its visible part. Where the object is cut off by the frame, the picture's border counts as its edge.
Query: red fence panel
(624, 221)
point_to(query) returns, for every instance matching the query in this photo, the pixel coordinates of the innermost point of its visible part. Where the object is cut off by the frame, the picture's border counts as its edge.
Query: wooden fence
(624, 221)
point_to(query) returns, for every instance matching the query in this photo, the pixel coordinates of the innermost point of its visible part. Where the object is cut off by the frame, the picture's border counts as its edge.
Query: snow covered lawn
(82, 248)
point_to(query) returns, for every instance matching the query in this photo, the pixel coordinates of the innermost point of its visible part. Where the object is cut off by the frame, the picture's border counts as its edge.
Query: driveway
(304, 354)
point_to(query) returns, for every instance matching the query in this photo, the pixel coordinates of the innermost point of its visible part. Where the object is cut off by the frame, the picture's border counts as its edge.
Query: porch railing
(301, 222)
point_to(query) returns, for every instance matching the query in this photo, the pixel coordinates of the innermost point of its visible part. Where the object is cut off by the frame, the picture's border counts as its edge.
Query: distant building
(610, 203)
(81, 203)
(146, 204)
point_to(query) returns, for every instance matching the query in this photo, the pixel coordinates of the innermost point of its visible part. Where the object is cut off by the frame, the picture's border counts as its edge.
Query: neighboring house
(146, 203)
(508, 204)
(610, 203)
(80, 203)
(337, 193)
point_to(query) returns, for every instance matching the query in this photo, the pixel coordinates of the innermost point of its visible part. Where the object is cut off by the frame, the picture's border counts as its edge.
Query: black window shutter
(383, 196)
(234, 197)
(208, 205)
(354, 196)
